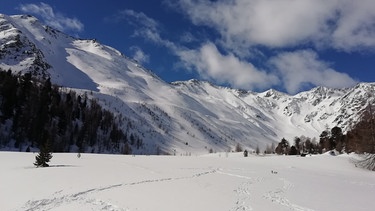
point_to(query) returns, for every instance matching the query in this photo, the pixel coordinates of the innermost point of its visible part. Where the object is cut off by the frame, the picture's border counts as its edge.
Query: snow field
(210, 182)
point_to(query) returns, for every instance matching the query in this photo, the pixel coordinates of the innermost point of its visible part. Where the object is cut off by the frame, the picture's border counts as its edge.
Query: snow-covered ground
(212, 182)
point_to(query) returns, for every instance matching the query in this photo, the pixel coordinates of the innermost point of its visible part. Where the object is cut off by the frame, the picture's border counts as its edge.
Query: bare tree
(367, 162)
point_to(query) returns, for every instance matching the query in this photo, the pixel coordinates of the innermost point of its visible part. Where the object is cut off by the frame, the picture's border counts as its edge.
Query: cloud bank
(341, 24)
(292, 70)
(51, 18)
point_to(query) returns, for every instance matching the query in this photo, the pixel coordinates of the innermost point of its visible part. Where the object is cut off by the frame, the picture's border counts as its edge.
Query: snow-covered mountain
(181, 117)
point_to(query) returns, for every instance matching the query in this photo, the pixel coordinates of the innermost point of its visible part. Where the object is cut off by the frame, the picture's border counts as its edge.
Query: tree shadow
(61, 166)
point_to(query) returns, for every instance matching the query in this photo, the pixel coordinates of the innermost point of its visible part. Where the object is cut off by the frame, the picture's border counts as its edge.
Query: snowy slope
(183, 117)
(215, 182)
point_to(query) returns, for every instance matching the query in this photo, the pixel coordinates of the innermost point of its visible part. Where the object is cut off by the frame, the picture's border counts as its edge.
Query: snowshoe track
(96, 204)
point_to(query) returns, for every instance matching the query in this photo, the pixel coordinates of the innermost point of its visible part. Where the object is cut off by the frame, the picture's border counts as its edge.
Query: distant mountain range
(180, 117)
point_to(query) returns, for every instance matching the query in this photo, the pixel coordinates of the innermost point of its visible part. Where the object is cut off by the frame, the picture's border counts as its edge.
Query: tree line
(359, 139)
(34, 112)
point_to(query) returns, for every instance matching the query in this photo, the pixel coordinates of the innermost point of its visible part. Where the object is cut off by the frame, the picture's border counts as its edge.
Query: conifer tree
(257, 150)
(282, 147)
(44, 156)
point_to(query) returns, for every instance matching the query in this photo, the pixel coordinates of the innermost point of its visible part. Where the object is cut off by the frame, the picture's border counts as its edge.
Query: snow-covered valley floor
(214, 182)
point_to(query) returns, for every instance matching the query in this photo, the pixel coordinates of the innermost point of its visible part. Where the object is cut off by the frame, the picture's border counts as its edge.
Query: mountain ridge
(184, 116)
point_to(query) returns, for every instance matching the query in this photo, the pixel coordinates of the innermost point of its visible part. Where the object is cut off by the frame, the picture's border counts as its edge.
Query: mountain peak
(274, 94)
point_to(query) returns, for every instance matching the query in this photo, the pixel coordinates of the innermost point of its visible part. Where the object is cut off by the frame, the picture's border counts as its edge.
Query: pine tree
(257, 150)
(293, 150)
(44, 156)
(238, 148)
(297, 144)
(282, 147)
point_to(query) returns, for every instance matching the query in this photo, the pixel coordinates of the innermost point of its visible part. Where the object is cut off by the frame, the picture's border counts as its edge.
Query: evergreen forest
(34, 112)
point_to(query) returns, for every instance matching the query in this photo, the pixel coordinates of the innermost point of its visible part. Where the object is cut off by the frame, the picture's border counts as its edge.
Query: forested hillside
(35, 112)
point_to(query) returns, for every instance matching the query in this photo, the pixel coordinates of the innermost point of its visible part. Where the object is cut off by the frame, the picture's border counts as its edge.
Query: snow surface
(217, 182)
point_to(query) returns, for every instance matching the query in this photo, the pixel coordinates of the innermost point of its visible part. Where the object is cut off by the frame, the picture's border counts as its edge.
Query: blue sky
(247, 44)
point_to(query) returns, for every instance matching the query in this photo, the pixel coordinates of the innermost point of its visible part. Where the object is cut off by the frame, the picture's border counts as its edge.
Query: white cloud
(355, 26)
(340, 24)
(139, 55)
(55, 20)
(300, 68)
(213, 65)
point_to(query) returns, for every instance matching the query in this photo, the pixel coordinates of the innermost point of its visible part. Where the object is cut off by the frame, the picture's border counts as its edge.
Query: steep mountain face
(181, 117)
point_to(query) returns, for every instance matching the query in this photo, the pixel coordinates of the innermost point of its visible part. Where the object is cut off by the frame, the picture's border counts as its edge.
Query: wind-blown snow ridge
(186, 116)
